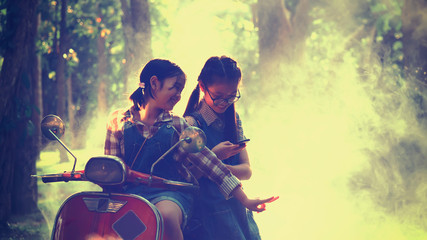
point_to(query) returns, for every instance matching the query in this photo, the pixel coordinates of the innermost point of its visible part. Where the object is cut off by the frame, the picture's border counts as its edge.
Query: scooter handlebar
(63, 177)
(53, 178)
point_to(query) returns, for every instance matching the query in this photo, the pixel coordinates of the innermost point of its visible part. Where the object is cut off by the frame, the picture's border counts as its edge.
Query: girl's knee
(172, 219)
(171, 212)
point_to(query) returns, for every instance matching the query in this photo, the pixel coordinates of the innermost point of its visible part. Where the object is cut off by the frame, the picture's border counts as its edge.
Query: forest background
(333, 98)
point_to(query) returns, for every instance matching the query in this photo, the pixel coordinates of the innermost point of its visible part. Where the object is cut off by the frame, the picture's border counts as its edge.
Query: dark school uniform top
(220, 218)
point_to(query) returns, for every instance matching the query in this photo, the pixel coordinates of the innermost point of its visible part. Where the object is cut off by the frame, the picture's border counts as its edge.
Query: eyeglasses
(224, 101)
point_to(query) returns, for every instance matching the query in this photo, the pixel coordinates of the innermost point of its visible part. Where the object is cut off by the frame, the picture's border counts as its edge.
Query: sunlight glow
(311, 138)
(315, 135)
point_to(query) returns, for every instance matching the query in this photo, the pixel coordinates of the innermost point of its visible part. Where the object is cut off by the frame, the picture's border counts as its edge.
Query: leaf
(379, 7)
(52, 75)
(398, 45)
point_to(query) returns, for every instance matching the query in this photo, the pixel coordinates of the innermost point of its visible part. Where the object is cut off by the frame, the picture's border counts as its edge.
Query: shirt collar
(207, 113)
(165, 116)
(133, 115)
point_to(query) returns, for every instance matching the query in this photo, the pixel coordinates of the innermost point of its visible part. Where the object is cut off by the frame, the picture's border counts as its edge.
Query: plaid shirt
(211, 118)
(205, 160)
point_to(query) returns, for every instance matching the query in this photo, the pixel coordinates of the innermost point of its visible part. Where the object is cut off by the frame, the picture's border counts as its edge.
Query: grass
(32, 226)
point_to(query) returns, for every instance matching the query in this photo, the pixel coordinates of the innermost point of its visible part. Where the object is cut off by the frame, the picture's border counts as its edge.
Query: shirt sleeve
(210, 165)
(191, 121)
(112, 144)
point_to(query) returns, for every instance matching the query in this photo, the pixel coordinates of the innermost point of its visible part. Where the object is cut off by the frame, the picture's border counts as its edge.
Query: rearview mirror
(53, 128)
(54, 124)
(195, 139)
(192, 140)
(105, 170)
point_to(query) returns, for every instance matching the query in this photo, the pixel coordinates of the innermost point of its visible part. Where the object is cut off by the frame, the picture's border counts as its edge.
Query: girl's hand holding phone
(243, 142)
(227, 149)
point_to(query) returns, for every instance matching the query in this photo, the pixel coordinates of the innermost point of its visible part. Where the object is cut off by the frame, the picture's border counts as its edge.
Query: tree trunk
(301, 22)
(60, 72)
(137, 33)
(415, 51)
(415, 39)
(38, 92)
(60, 68)
(281, 37)
(18, 149)
(274, 33)
(71, 113)
(102, 70)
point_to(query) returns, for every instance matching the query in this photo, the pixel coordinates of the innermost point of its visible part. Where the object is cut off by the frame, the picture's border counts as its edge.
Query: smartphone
(243, 142)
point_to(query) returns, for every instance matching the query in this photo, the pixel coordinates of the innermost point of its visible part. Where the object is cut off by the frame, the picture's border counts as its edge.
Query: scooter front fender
(97, 215)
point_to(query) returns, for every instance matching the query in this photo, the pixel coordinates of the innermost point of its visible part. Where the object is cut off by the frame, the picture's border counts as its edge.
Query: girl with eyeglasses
(215, 216)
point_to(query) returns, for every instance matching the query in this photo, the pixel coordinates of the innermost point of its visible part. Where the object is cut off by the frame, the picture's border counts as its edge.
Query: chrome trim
(103, 205)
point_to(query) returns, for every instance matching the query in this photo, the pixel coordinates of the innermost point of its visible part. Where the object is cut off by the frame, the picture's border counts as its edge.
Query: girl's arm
(228, 184)
(225, 150)
(257, 205)
(243, 170)
(207, 162)
(113, 145)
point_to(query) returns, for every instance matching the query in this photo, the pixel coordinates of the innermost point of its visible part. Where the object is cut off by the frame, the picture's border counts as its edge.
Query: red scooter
(111, 214)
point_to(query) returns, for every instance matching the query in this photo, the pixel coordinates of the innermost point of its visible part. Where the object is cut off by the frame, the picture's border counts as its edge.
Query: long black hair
(218, 70)
(160, 68)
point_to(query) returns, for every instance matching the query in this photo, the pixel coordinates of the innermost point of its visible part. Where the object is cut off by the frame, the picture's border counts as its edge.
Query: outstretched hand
(258, 205)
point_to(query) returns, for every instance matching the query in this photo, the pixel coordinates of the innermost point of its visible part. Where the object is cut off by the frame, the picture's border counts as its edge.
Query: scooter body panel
(97, 215)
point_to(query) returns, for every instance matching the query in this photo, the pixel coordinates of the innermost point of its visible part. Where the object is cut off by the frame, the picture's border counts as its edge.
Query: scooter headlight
(105, 170)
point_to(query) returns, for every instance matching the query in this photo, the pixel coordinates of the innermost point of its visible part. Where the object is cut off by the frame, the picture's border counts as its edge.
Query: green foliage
(30, 226)
(160, 26)
(395, 179)
(387, 15)
(388, 22)
(246, 45)
(86, 20)
(238, 26)
(3, 13)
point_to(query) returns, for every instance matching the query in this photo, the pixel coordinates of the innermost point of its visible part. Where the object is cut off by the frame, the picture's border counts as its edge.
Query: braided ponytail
(193, 101)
